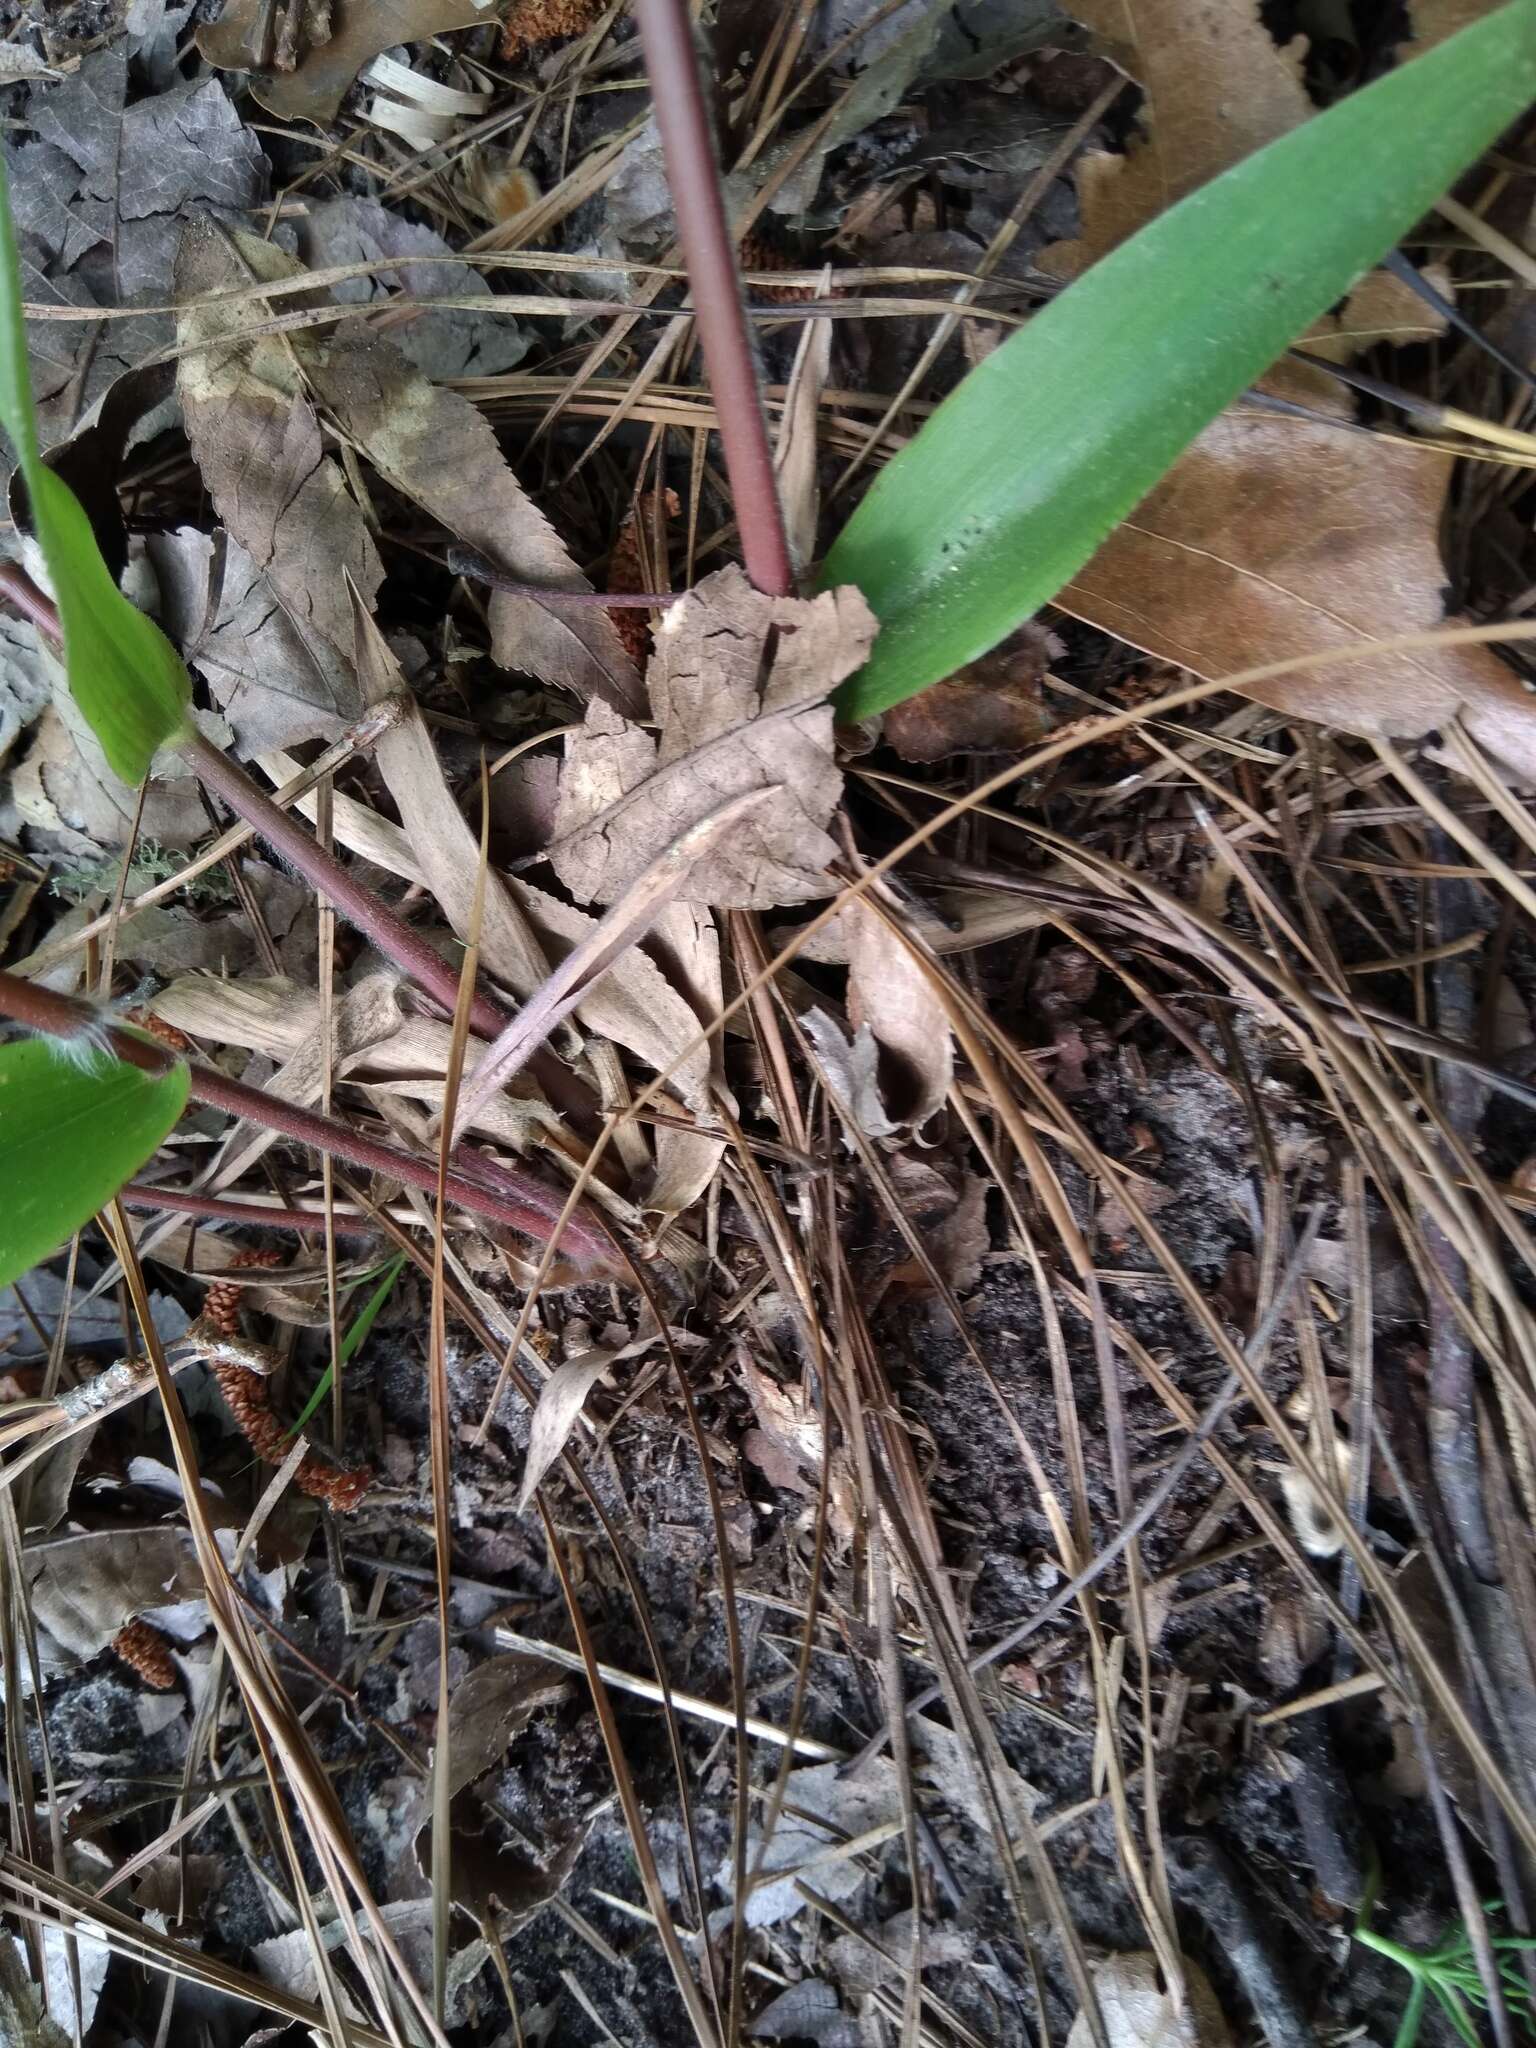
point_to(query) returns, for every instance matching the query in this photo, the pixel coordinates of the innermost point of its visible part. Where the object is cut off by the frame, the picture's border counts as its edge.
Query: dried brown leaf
(1434, 20)
(85, 1588)
(1217, 88)
(1275, 537)
(991, 706)
(1137, 2013)
(256, 440)
(556, 1413)
(892, 992)
(360, 30)
(737, 685)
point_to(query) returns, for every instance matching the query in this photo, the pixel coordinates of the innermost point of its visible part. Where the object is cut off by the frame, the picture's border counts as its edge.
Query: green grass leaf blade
(129, 681)
(69, 1138)
(1022, 472)
(357, 1333)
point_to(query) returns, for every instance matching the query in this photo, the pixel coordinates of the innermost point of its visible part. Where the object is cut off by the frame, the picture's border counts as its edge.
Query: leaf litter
(1039, 1064)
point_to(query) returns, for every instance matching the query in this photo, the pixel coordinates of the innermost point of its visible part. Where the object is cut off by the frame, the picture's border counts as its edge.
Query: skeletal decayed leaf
(738, 686)
(1137, 2013)
(85, 1588)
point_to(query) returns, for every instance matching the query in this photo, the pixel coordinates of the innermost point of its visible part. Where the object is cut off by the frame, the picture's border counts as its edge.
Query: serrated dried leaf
(85, 1588)
(1137, 2012)
(360, 30)
(434, 446)
(737, 685)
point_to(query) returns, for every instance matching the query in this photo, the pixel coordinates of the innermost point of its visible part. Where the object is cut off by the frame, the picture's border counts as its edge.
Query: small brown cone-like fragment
(141, 1646)
(540, 21)
(157, 1027)
(762, 251)
(221, 1304)
(248, 1398)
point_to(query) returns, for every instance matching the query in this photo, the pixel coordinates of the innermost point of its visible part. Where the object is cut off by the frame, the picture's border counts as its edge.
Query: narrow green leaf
(1022, 472)
(129, 681)
(357, 1332)
(69, 1138)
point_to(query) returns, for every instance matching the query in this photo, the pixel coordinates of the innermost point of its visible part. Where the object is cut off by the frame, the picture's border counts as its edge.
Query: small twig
(682, 116)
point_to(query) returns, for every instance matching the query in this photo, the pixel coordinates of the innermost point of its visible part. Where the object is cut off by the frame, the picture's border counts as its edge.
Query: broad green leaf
(1022, 472)
(69, 1137)
(129, 681)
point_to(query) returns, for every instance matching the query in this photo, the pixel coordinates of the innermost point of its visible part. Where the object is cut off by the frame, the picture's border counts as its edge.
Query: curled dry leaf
(891, 990)
(1137, 2013)
(85, 1588)
(1273, 537)
(486, 1713)
(493, 1705)
(851, 1068)
(311, 89)
(555, 1415)
(992, 706)
(737, 685)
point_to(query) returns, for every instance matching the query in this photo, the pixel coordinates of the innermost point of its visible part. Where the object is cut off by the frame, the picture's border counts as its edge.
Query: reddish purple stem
(411, 953)
(693, 175)
(504, 1194)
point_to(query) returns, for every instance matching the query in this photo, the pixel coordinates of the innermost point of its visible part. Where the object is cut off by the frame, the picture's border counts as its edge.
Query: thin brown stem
(487, 1188)
(693, 173)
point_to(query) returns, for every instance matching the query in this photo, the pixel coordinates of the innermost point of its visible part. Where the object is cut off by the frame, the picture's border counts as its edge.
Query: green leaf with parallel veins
(69, 1137)
(1052, 440)
(127, 678)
